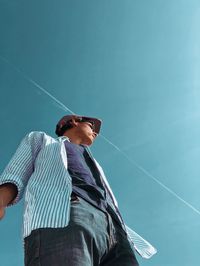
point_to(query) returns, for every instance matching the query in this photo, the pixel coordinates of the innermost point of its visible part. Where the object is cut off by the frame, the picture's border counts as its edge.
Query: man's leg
(32, 249)
(82, 243)
(121, 252)
(90, 239)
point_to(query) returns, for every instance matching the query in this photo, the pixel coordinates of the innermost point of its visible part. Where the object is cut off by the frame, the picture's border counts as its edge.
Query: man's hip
(90, 239)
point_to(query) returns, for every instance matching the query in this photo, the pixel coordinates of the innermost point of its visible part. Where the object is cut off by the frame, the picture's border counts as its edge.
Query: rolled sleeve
(21, 165)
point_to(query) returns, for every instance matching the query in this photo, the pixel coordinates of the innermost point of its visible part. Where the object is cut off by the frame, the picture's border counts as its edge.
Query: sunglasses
(85, 120)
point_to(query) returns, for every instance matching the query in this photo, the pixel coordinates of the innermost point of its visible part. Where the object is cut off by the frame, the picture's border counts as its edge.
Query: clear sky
(134, 64)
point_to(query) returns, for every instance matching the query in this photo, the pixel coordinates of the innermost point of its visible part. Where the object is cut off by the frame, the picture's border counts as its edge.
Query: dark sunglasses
(82, 120)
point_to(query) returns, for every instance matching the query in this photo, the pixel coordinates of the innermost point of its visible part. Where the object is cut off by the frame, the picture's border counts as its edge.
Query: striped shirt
(39, 170)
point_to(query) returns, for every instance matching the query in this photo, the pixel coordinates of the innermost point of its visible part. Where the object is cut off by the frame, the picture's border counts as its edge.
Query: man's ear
(73, 123)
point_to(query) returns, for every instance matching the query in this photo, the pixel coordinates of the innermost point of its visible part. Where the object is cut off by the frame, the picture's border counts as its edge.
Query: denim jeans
(90, 239)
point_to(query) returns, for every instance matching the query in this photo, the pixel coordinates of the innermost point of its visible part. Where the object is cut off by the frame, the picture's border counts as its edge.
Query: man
(71, 216)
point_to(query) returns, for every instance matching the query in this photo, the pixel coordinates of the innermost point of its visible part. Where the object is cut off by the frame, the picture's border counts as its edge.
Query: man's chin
(88, 142)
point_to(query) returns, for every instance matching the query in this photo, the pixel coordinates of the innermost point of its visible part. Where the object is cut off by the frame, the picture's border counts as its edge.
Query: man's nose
(95, 134)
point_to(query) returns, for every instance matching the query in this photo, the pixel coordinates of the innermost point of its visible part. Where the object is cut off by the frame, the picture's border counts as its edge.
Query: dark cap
(64, 123)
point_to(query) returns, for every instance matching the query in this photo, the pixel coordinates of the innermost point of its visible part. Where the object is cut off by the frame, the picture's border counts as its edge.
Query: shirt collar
(63, 138)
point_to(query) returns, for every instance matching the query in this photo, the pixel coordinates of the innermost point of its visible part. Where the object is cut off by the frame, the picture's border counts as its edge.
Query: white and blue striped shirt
(39, 170)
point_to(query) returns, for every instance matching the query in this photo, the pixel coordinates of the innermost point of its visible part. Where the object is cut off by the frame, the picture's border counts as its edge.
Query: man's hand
(8, 192)
(2, 204)
(2, 212)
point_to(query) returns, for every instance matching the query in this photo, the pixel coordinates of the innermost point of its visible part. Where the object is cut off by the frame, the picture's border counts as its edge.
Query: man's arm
(7, 194)
(15, 176)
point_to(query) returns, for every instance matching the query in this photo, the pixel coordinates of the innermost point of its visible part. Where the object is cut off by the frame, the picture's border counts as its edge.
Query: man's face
(86, 132)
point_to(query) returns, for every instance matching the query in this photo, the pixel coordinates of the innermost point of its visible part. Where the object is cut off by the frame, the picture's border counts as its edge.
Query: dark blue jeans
(90, 239)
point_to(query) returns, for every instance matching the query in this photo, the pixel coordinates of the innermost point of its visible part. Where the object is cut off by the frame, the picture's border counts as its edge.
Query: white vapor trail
(133, 162)
(65, 108)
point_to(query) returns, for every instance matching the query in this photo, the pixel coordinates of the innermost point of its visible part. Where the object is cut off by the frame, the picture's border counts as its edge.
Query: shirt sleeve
(21, 165)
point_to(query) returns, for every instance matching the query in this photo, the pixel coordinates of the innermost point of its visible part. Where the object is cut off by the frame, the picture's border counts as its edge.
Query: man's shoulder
(33, 134)
(39, 135)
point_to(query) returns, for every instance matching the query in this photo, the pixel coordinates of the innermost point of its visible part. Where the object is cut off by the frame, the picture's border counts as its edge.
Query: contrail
(65, 108)
(133, 162)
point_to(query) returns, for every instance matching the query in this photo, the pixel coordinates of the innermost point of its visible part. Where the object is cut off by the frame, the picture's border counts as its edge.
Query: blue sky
(135, 65)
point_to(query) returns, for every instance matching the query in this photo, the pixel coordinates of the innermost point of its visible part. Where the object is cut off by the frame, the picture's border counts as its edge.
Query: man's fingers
(2, 212)
(2, 208)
